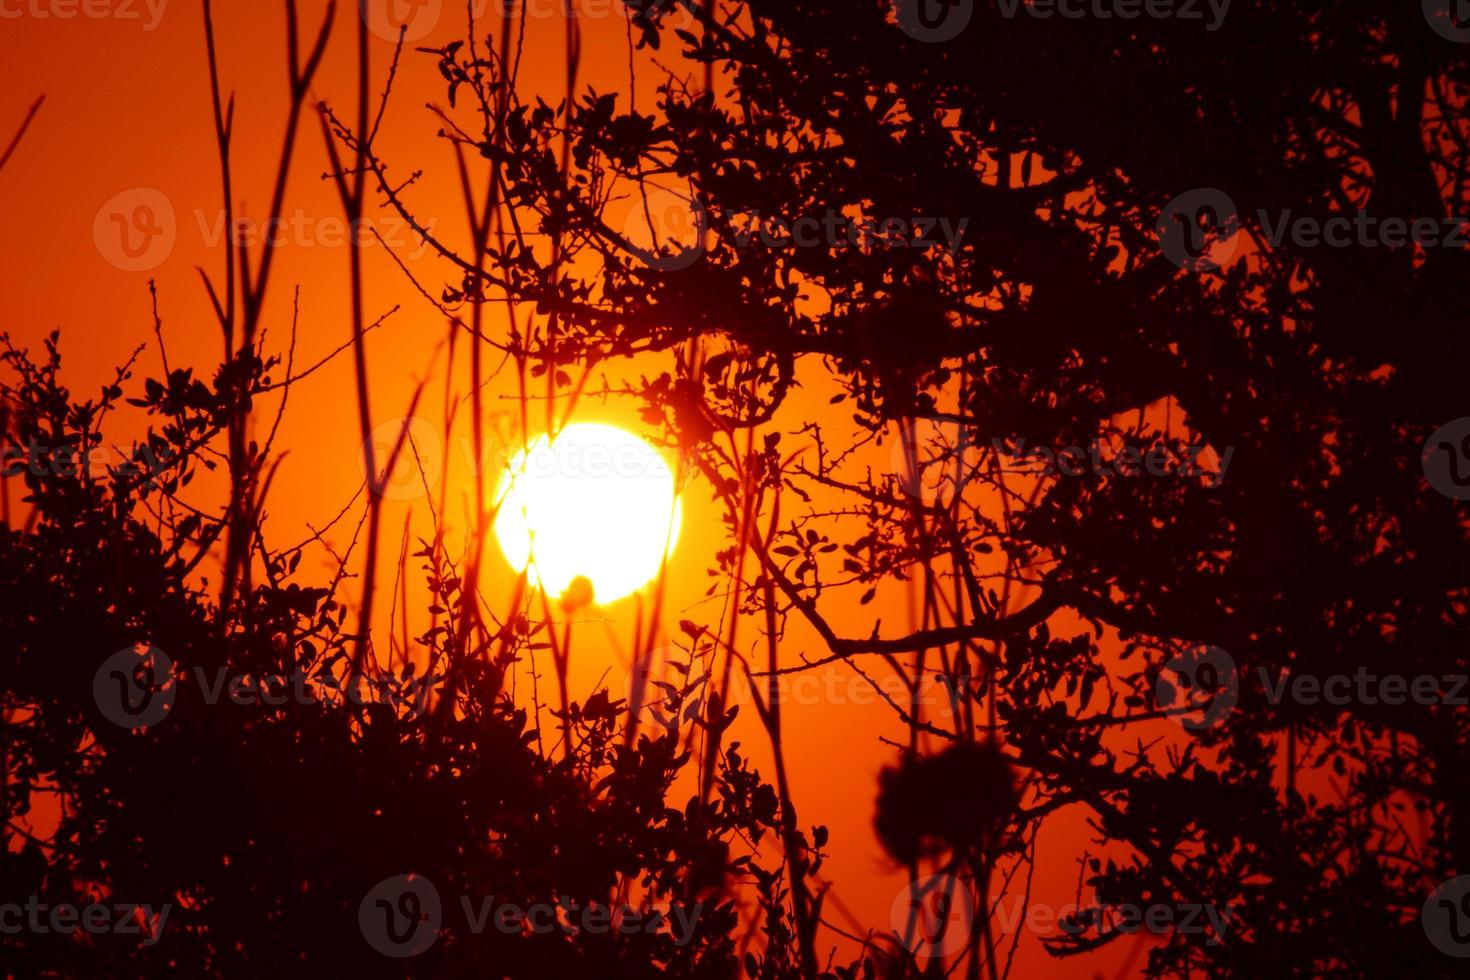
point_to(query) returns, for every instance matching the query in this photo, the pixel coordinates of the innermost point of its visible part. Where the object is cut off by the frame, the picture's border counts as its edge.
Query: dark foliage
(1050, 605)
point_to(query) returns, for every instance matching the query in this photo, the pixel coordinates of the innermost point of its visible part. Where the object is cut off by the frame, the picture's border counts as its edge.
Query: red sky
(127, 125)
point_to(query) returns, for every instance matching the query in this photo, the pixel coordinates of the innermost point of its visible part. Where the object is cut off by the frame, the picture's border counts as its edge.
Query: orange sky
(127, 124)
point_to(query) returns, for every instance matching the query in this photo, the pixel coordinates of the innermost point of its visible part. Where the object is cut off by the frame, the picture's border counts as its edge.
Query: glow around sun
(597, 503)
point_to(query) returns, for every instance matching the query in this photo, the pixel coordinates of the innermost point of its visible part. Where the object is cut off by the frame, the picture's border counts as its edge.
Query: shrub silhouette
(266, 827)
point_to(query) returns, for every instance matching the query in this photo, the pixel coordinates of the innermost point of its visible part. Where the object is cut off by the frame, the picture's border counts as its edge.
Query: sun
(596, 503)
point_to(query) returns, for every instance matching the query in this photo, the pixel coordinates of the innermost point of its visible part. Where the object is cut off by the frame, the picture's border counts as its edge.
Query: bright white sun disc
(597, 503)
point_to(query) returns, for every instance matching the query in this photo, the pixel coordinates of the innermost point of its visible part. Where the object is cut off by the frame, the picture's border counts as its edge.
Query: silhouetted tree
(1098, 169)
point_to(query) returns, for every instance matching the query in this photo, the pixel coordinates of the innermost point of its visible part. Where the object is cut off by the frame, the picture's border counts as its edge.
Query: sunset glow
(596, 503)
